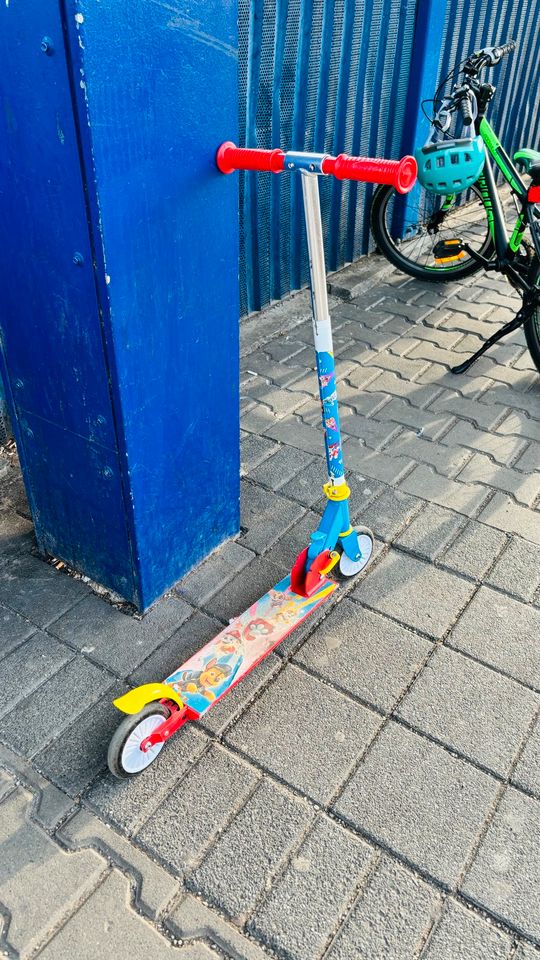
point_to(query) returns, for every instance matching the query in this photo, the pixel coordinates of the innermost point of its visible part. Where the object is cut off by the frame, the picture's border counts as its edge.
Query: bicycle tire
(532, 336)
(391, 251)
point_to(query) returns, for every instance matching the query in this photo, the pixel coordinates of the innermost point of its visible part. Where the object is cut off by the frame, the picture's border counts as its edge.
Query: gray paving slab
(416, 593)
(106, 926)
(527, 771)
(241, 592)
(241, 865)
(305, 732)
(171, 653)
(117, 639)
(518, 570)
(192, 815)
(462, 933)
(128, 803)
(503, 633)
(466, 498)
(79, 754)
(36, 590)
(28, 666)
(473, 710)
(299, 916)
(192, 921)
(505, 875)
(391, 919)
(226, 710)
(39, 882)
(210, 575)
(390, 513)
(365, 654)
(306, 487)
(420, 801)
(13, 630)
(254, 450)
(46, 712)
(503, 513)
(474, 551)
(431, 531)
(16, 534)
(281, 467)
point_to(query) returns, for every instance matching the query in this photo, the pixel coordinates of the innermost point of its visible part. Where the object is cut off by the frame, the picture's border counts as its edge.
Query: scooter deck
(217, 667)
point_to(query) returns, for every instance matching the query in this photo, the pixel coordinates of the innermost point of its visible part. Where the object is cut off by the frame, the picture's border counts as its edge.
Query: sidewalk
(372, 790)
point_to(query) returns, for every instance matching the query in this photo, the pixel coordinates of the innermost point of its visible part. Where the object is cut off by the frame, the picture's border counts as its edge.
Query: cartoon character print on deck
(211, 672)
(330, 416)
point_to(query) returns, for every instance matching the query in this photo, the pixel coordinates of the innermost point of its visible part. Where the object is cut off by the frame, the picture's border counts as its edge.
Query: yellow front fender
(136, 699)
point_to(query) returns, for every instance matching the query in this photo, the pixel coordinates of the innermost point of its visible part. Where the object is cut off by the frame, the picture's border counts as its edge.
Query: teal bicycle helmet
(450, 166)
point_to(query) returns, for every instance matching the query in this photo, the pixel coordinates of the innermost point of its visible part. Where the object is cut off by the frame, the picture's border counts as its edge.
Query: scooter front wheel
(125, 757)
(350, 568)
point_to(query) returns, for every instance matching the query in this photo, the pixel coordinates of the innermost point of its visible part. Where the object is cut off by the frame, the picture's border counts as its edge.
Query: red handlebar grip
(230, 158)
(401, 174)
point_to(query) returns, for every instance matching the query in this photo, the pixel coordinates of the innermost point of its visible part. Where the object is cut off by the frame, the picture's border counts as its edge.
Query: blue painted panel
(325, 75)
(161, 94)
(52, 356)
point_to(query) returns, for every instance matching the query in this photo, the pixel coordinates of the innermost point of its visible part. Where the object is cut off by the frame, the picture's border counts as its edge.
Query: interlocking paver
(380, 466)
(474, 550)
(242, 863)
(390, 513)
(48, 710)
(39, 882)
(431, 531)
(194, 812)
(28, 666)
(305, 732)
(524, 487)
(425, 423)
(208, 577)
(128, 803)
(281, 467)
(474, 711)
(106, 925)
(484, 418)
(116, 639)
(503, 633)
(75, 758)
(36, 590)
(503, 513)
(301, 911)
(503, 449)
(420, 801)
(254, 450)
(445, 460)
(266, 516)
(464, 498)
(191, 919)
(184, 642)
(390, 383)
(391, 919)
(365, 654)
(505, 875)
(527, 772)
(416, 593)
(13, 630)
(462, 933)
(518, 570)
(306, 487)
(519, 424)
(241, 592)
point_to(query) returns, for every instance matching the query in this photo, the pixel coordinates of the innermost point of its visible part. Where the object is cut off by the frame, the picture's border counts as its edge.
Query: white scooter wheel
(125, 757)
(350, 568)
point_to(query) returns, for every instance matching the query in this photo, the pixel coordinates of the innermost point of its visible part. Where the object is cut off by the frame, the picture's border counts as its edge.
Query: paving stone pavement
(372, 790)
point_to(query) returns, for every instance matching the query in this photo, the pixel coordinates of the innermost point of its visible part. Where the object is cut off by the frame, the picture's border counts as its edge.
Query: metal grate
(325, 75)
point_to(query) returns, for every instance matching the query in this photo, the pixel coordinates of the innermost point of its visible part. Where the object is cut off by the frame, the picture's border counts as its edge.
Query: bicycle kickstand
(520, 318)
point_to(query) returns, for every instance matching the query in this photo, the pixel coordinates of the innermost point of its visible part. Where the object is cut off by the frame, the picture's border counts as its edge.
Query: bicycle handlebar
(400, 174)
(466, 110)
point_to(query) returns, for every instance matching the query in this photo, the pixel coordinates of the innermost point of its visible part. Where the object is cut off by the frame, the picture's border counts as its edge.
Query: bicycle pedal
(447, 251)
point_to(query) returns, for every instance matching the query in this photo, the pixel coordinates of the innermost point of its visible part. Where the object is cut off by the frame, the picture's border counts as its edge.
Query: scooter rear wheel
(125, 757)
(350, 568)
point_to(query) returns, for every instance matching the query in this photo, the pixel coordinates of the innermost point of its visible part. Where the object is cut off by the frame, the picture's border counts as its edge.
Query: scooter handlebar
(401, 174)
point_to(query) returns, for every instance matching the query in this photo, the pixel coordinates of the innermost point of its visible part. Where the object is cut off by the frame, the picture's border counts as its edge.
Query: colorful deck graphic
(218, 666)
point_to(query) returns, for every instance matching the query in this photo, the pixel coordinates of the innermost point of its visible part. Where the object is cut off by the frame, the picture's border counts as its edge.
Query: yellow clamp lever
(341, 492)
(334, 557)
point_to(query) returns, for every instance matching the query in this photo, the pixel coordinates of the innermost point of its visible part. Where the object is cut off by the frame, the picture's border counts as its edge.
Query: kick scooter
(157, 710)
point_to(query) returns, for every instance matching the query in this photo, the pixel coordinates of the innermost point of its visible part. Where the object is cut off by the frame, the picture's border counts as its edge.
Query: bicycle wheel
(532, 335)
(407, 227)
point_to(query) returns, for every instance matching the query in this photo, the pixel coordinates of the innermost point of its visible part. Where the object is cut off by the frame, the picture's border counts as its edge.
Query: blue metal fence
(325, 75)
(333, 75)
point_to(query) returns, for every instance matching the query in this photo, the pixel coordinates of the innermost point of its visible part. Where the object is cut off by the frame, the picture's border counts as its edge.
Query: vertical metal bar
(322, 329)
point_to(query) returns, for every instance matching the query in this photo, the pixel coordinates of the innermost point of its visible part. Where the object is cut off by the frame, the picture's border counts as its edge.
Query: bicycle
(451, 234)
